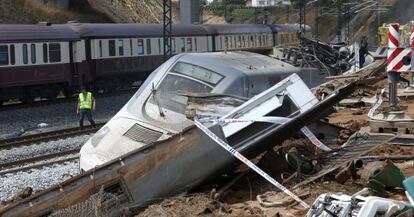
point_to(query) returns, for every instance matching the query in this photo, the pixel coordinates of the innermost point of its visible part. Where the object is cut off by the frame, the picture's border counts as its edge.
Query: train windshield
(184, 78)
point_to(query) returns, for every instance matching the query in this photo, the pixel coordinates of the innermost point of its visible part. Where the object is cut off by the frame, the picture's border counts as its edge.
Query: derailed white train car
(181, 156)
(157, 110)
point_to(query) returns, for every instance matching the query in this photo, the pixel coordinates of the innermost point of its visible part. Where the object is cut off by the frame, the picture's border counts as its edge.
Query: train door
(88, 75)
(79, 66)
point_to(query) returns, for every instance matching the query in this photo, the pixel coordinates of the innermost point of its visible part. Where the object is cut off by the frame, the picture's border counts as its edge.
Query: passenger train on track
(41, 60)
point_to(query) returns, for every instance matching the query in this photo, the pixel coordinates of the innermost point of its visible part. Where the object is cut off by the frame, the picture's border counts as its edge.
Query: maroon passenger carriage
(35, 60)
(41, 60)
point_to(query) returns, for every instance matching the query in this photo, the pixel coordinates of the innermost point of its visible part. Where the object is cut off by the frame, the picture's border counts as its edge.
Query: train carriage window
(121, 47)
(131, 51)
(148, 46)
(4, 55)
(25, 56)
(33, 53)
(173, 86)
(197, 72)
(140, 46)
(54, 52)
(12, 55)
(111, 45)
(184, 78)
(189, 44)
(100, 48)
(45, 56)
(159, 46)
(182, 44)
(221, 42)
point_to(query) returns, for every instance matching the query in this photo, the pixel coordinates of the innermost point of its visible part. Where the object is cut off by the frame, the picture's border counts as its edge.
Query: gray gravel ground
(57, 116)
(62, 115)
(25, 152)
(38, 179)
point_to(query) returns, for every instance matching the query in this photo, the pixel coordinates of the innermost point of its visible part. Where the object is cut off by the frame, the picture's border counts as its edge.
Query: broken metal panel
(357, 146)
(269, 100)
(212, 105)
(273, 135)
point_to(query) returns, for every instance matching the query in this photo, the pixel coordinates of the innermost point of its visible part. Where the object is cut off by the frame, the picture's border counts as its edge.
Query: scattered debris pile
(312, 53)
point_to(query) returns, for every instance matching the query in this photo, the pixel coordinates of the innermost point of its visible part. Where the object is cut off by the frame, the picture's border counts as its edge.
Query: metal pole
(167, 29)
(393, 78)
(302, 15)
(287, 13)
(316, 19)
(339, 23)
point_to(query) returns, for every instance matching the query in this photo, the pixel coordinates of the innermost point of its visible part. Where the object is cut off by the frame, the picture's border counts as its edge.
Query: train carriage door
(72, 61)
(81, 61)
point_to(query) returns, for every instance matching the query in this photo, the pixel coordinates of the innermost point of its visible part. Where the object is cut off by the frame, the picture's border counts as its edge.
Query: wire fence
(101, 204)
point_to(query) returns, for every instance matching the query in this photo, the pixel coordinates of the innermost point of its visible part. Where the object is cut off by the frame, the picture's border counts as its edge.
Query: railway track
(47, 136)
(12, 164)
(45, 159)
(38, 162)
(40, 103)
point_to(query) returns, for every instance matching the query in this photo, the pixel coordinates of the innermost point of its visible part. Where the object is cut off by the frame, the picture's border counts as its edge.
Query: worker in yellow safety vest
(86, 104)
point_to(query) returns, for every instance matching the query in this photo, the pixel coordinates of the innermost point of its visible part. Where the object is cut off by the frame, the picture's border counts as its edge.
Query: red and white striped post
(398, 60)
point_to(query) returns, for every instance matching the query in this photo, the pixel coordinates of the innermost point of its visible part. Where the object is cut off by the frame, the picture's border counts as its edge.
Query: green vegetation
(27, 11)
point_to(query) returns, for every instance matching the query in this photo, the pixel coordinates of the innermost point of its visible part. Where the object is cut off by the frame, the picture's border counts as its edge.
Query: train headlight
(99, 136)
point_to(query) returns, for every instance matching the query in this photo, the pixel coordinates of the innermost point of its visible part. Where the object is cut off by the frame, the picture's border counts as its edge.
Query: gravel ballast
(38, 179)
(59, 116)
(51, 147)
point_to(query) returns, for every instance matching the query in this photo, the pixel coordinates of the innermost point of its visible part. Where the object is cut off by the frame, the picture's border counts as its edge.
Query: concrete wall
(189, 11)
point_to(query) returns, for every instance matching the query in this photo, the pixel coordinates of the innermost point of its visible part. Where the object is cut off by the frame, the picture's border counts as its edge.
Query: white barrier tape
(246, 161)
(277, 120)
(377, 105)
(308, 133)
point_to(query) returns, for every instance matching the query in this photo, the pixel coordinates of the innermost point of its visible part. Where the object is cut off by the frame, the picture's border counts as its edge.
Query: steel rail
(48, 136)
(41, 103)
(12, 164)
(45, 164)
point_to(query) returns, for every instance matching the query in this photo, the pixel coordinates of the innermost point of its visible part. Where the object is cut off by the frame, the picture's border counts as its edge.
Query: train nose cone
(88, 158)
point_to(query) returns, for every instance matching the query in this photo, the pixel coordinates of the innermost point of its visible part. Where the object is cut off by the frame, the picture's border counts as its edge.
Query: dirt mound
(28, 11)
(131, 11)
(196, 205)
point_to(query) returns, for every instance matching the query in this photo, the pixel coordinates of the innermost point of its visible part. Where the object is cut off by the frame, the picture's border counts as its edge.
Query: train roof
(241, 63)
(287, 27)
(36, 32)
(128, 30)
(236, 28)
